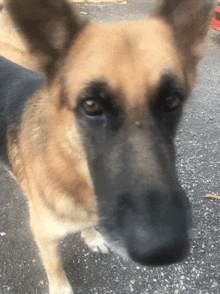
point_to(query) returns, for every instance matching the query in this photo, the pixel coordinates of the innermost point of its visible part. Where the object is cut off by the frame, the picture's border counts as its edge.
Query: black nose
(155, 226)
(150, 249)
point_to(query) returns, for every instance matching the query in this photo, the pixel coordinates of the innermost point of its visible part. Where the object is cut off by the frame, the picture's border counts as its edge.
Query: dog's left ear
(190, 21)
(48, 26)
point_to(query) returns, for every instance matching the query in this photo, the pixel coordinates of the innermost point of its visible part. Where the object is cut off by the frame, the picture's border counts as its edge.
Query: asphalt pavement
(198, 162)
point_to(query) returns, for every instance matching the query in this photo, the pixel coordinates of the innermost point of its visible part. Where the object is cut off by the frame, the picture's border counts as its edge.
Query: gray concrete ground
(198, 161)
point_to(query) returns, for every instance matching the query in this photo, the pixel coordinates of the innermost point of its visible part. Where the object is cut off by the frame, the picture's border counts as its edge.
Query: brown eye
(171, 103)
(92, 107)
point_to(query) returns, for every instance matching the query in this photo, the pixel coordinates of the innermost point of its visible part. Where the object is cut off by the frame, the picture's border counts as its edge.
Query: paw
(94, 240)
(98, 245)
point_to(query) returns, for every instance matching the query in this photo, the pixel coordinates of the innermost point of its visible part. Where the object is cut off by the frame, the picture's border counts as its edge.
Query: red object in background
(216, 19)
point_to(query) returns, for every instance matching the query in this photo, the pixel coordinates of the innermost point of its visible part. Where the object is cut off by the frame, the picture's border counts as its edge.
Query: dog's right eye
(171, 103)
(92, 107)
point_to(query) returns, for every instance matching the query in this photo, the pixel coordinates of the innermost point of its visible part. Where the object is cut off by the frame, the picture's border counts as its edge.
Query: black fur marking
(17, 85)
(169, 87)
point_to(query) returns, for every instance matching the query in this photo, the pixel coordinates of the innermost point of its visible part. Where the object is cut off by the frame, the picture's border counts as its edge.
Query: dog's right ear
(49, 27)
(190, 21)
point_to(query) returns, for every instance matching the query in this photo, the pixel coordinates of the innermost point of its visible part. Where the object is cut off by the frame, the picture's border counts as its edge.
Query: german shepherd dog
(94, 143)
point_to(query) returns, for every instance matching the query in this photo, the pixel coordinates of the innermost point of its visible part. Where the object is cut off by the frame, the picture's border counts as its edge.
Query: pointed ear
(190, 21)
(49, 27)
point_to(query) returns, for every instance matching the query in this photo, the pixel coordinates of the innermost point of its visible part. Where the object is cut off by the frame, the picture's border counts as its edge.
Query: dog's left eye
(171, 103)
(91, 107)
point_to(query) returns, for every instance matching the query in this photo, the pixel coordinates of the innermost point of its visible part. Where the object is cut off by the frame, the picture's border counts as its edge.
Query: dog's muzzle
(152, 229)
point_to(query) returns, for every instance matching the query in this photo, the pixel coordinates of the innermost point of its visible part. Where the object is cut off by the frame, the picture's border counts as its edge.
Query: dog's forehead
(130, 57)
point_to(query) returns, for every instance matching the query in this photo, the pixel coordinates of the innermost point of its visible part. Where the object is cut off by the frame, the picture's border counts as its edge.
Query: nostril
(149, 249)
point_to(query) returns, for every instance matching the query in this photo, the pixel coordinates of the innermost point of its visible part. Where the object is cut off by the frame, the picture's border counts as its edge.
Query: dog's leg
(48, 246)
(94, 240)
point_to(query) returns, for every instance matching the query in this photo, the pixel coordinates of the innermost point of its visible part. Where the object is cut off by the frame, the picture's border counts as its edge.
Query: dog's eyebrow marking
(169, 84)
(96, 88)
(103, 94)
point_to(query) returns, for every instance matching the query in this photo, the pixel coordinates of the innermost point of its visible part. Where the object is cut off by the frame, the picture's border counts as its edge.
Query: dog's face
(127, 99)
(121, 89)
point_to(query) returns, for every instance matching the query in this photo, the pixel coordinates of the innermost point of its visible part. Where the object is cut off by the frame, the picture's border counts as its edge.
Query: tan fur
(48, 157)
